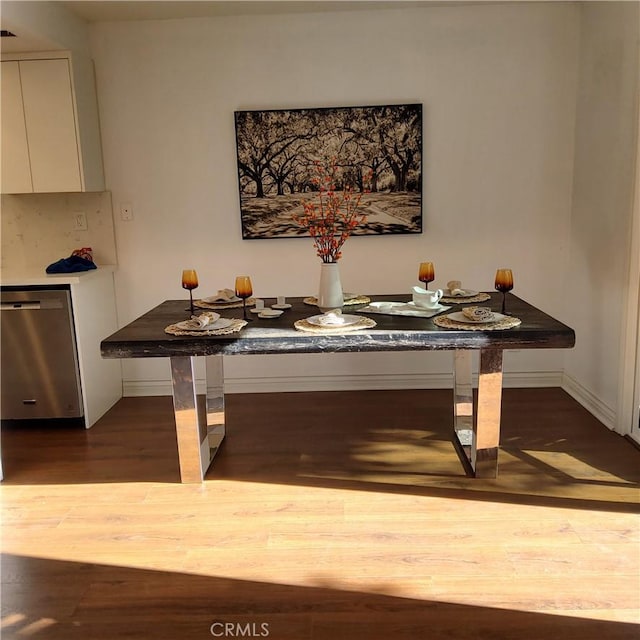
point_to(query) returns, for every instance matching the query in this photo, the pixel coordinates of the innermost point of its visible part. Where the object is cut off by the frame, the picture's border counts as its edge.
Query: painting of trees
(378, 150)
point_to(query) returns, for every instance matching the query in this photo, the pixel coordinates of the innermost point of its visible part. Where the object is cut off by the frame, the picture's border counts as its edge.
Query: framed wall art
(375, 152)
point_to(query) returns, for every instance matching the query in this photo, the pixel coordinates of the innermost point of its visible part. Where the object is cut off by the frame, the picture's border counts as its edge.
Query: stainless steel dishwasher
(39, 374)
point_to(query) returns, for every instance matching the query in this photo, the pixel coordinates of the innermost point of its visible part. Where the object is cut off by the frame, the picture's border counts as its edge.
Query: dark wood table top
(145, 337)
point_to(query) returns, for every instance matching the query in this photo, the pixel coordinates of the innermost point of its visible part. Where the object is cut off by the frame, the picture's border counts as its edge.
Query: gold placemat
(234, 327)
(304, 325)
(480, 297)
(506, 323)
(347, 301)
(201, 304)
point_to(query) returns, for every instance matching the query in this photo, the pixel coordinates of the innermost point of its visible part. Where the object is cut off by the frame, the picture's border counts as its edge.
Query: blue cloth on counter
(71, 265)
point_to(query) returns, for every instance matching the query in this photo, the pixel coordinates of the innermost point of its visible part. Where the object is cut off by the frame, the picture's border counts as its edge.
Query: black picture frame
(276, 150)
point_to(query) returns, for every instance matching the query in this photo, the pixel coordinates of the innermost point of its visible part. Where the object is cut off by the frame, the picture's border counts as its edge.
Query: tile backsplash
(38, 229)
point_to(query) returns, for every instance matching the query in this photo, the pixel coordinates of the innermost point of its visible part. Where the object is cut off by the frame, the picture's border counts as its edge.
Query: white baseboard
(380, 381)
(140, 388)
(338, 383)
(530, 379)
(589, 401)
(275, 384)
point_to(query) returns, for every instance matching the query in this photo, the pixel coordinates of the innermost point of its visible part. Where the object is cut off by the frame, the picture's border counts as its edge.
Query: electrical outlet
(126, 212)
(80, 221)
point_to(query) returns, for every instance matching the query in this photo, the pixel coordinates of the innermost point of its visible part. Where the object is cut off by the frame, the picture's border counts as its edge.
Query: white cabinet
(16, 172)
(51, 126)
(49, 145)
(94, 315)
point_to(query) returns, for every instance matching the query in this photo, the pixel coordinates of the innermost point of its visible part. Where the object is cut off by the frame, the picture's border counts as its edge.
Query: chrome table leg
(477, 437)
(197, 443)
(484, 449)
(463, 397)
(215, 403)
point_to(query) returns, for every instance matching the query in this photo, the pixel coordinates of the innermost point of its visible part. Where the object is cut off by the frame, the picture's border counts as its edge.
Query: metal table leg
(197, 442)
(477, 437)
(484, 450)
(463, 406)
(215, 403)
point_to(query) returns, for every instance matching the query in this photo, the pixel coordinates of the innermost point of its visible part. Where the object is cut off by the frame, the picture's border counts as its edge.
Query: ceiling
(117, 10)
(125, 10)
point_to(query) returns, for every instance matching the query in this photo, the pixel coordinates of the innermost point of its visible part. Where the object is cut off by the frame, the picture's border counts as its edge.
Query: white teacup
(427, 299)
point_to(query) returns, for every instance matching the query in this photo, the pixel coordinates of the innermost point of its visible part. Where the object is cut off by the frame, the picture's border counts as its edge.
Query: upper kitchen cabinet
(50, 130)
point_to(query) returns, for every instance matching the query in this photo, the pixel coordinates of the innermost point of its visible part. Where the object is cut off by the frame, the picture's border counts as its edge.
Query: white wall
(606, 134)
(498, 84)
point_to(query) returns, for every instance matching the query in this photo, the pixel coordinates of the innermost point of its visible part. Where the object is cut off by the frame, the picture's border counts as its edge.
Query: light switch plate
(126, 212)
(80, 221)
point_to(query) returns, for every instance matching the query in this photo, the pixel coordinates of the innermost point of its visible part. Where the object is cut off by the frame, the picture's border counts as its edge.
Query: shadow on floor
(100, 602)
(553, 452)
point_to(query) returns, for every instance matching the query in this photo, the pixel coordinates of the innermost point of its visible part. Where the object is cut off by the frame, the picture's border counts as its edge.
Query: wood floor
(326, 516)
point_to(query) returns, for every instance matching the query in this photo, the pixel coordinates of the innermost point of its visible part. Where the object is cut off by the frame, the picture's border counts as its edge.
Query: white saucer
(270, 313)
(281, 306)
(254, 310)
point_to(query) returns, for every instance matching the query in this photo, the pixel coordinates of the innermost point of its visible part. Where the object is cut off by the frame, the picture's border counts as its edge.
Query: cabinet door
(16, 172)
(51, 125)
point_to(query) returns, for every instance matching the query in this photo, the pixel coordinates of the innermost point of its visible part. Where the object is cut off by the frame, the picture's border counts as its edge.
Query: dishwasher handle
(21, 306)
(33, 304)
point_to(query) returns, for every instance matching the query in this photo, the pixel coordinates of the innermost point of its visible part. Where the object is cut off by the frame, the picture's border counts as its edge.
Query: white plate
(254, 310)
(286, 305)
(467, 294)
(347, 321)
(402, 309)
(458, 316)
(438, 307)
(213, 300)
(269, 313)
(220, 323)
(382, 304)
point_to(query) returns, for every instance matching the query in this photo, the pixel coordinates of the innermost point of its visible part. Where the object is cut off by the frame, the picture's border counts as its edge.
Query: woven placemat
(506, 323)
(480, 297)
(234, 327)
(347, 301)
(201, 304)
(304, 325)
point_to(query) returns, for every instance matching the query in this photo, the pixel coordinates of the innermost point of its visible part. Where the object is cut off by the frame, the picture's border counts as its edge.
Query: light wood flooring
(325, 516)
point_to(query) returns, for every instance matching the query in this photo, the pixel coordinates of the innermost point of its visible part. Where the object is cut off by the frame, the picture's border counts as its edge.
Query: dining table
(476, 417)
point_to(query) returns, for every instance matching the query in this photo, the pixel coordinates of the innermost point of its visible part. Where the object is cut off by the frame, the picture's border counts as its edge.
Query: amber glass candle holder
(504, 283)
(426, 273)
(190, 282)
(244, 290)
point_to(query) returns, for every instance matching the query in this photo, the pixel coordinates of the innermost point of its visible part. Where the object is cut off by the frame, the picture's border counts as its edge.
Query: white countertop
(34, 276)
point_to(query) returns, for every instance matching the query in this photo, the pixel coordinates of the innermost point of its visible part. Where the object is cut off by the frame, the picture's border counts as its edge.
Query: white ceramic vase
(330, 289)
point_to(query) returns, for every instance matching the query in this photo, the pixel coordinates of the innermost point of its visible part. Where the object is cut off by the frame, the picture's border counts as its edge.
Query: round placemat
(506, 323)
(234, 327)
(480, 297)
(363, 323)
(201, 304)
(347, 302)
